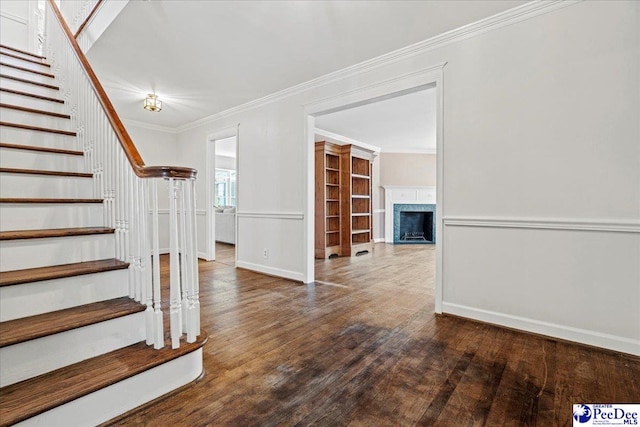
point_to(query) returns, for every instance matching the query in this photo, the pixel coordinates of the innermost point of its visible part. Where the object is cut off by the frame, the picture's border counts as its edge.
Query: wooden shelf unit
(357, 170)
(328, 200)
(343, 220)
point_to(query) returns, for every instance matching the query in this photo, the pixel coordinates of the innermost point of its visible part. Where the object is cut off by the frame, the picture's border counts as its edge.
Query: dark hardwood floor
(362, 347)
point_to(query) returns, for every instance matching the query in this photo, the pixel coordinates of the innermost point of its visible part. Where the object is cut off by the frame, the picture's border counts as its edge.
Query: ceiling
(404, 124)
(203, 57)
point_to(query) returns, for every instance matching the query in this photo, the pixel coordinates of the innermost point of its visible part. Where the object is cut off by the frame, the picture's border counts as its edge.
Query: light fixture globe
(152, 103)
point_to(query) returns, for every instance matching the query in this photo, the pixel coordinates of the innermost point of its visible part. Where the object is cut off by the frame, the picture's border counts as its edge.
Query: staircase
(73, 344)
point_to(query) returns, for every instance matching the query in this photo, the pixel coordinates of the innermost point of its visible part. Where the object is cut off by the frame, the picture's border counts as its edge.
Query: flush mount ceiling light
(152, 103)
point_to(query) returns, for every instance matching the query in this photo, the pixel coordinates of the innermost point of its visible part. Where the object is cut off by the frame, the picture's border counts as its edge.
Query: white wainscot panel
(278, 234)
(572, 284)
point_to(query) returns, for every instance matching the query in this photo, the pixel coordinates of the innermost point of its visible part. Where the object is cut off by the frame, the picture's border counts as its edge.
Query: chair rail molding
(578, 224)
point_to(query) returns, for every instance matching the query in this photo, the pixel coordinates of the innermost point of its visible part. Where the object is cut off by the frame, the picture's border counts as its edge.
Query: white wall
(541, 172)
(160, 148)
(17, 23)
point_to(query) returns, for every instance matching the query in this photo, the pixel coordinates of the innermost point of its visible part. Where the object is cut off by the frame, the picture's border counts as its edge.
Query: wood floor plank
(362, 347)
(34, 396)
(25, 329)
(29, 275)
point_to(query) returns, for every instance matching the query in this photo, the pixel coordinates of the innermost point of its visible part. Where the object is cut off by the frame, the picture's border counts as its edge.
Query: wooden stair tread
(47, 172)
(38, 128)
(35, 111)
(33, 61)
(45, 200)
(31, 82)
(24, 52)
(27, 70)
(42, 325)
(29, 275)
(41, 149)
(32, 95)
(34, 396)
(54, 232)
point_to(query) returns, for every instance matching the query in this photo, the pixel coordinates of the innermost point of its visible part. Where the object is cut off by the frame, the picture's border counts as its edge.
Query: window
(225, 187)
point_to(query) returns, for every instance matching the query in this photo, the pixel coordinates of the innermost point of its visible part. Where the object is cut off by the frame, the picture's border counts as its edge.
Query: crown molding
(345, 139)
(508, 17)
(150, 126)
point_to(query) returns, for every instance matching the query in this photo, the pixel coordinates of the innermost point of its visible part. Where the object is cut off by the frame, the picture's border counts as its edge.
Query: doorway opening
(222, 197)
(414, 87)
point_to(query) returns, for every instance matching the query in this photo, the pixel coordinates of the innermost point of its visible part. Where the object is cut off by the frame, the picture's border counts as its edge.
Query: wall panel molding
(577, 224)
(299, 216)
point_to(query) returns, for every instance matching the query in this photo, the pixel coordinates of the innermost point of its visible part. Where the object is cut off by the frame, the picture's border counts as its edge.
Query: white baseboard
(379, 240)
(272, 271)
(597, 339)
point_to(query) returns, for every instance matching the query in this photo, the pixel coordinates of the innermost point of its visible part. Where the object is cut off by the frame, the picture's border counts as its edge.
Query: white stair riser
(29, 88)
(123, 396)
(32, 253)
(35, 216)
(30, 299)
(34, 119)
(13, 52)
(40, 139)
(41, 186)
(28, 359)
(29, 102)
(38, 78)
(24, 64)
(26, 159)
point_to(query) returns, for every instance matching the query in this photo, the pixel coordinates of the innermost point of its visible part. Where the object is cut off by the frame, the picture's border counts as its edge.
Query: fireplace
(414, 223)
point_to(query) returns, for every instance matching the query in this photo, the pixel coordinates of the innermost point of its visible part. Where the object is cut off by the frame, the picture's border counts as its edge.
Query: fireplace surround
(414, 223)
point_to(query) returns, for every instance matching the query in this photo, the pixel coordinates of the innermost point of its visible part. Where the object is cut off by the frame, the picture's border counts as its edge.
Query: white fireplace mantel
(394, 194)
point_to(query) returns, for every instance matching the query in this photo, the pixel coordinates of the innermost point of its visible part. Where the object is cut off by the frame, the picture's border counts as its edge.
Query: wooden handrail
(88, 18)
(127, 144)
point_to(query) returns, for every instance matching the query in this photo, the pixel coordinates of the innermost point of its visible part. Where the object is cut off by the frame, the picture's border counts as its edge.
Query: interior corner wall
(541, 173)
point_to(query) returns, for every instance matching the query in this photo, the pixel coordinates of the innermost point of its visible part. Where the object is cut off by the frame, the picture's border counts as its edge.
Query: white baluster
(159, 327)
(184, 270)
(191, 264)
(175, 314)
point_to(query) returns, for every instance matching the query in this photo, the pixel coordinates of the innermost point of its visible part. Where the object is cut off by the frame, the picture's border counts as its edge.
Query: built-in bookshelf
(343, 220)
(359, 238)
(328, 200)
